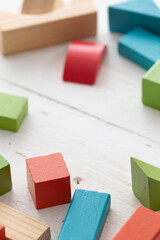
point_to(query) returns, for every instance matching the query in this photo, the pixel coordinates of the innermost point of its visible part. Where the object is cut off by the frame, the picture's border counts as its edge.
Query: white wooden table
(96, 128)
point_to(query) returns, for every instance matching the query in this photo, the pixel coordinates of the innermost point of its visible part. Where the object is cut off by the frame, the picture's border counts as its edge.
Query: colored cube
(13, 110)
(5, 176)
(141, 47)
(151, 87)
(146, 183)
(86, 216)
(48, 180)
(127, 15)
(144, 224)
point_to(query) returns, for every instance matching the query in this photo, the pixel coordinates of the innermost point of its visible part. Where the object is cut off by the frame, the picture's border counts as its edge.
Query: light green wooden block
(5, 176)
(151, 87)
(13, 110)
(146, 183)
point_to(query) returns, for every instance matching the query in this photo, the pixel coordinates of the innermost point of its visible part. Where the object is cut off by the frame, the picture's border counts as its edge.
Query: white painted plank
(94, 151)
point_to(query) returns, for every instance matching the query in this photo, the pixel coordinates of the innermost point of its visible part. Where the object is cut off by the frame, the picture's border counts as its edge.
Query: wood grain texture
(96, 128)
(25, 32)
(19, 226)
(40, 6)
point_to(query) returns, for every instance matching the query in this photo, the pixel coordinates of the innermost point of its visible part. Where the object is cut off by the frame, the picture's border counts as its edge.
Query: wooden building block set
(47, 22)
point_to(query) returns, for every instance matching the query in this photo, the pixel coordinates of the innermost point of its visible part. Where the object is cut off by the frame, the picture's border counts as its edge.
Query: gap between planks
(79, 110)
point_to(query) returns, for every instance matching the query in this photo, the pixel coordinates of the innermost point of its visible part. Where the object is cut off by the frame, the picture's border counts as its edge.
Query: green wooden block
(13, 110)
(151, 87)
(5, 176)
(146, 183)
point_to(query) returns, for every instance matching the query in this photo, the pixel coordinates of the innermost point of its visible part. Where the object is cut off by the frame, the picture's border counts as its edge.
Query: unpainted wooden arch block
(25, 32)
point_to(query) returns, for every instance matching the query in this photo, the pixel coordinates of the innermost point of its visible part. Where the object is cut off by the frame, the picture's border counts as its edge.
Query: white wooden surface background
(96, 128)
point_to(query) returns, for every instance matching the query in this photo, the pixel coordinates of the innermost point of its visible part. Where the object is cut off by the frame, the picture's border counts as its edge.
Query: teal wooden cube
(13, 110)
(151, 87)
(5, 176)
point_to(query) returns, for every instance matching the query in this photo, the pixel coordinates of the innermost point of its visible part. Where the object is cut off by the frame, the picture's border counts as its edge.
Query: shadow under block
(48, 180)
(24, 32)
(5, 176)
(151, 87)
(86, 216)
(141, 47)
(13, 110)
(83, 62)
(146, 183)
(19, 226)
(2, 233)
(144, 224)
(125, 16)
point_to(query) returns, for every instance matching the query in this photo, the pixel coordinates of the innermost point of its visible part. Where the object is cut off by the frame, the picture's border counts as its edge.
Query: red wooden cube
(48, 180)
(2, 233)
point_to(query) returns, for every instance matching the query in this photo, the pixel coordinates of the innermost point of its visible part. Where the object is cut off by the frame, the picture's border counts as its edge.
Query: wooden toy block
(48, 180)
(40, 6)
(86, 216)
(151, 87)
(141, 47)
(146, 183)
(5, 176)
(144, 224)
(83, 62)
(13, 110)
(25, 31)
(125, 16)
(2, 233)
(19, 226)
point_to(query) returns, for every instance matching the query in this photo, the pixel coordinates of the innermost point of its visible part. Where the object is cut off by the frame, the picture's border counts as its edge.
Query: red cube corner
(2, 233)
(48, 180)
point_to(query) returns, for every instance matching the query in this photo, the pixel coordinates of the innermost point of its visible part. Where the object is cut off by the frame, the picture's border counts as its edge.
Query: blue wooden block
(141, 47)
(124, 17)
(86, 216)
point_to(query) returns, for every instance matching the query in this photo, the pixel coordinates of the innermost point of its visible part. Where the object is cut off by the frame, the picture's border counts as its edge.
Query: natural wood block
(19, 226)
(86, 216)
(5, 176)
(140, 46)
(125, 16)
(13, 110)
(2, 233)
(146, 183)
(151, 87)
(48, 180)
(83, 62)
(40, 6)
(24, 32)
(144, 224)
